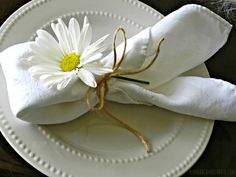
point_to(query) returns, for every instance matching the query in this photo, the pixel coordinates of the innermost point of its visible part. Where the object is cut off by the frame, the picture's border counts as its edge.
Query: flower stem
(132, 80)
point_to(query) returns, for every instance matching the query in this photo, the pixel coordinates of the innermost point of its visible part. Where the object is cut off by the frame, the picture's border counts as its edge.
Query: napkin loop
(102, 87)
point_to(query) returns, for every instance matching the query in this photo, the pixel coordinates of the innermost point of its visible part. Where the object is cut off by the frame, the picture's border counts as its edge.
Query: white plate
(92, 146)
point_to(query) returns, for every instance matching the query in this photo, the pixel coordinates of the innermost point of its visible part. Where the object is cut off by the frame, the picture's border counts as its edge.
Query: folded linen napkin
(192, 35)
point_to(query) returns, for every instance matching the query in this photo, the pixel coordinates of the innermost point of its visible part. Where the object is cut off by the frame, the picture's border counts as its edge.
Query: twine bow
(102, 87)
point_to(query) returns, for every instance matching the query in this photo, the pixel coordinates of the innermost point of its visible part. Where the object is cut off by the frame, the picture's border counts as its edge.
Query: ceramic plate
(93, 146)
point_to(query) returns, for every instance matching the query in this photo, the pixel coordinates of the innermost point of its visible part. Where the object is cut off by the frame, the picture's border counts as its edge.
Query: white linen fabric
(192, 35)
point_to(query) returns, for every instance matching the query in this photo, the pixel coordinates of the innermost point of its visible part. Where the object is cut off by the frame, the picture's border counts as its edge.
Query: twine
(102, 87)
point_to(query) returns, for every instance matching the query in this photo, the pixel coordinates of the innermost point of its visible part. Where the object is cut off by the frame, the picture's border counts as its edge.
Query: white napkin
(192, 35)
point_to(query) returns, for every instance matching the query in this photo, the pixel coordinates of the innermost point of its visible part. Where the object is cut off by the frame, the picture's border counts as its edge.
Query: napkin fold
(192, 35)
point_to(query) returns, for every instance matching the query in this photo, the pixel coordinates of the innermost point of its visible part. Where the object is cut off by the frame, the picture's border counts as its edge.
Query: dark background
(219, 158)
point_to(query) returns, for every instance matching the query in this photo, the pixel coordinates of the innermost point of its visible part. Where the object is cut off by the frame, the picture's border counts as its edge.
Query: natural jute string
(102, 87)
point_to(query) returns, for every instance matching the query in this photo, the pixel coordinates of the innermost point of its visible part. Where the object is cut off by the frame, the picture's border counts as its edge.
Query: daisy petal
(98, 70)
(66, 34)
(59, 38)
(45, 76)
(59, 30)
(44, 34)
(63, 84)
(38, 70)
(52, 82)
(44, 67)
(90, 53)
(95, 57)
(64, 41)
(48, 51)
(87, 77)
(85, 37)
(96, 46)
(74, 29)
(99, 41)
(48, 74)
(101, 71)
(50, 42)
(42, 51)
(66, 83)
(38, 60)
(86, 21)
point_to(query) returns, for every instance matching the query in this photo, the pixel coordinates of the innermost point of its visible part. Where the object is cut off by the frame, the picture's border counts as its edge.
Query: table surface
(219, 157)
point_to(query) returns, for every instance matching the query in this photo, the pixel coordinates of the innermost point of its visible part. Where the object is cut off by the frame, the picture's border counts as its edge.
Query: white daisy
(59, 63)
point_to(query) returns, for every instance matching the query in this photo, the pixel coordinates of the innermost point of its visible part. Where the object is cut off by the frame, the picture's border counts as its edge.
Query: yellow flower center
(70, 62)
